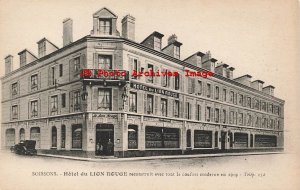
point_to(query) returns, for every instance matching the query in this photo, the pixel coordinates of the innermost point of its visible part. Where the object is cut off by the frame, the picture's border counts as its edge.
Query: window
(149, 104)
(241, 118)
(134, 68)
(264, 123)
(77, 106)
(198, 112)
(34, 108)
(54, 107)
(14, 89)
(217, 115)
(224, 95)
(231, 97)
(105, 26)
(163, 107)
(256, 121)
(52, 76)
(177, 82)
(14, 112)
(77, 136)
(208, 113)
(217, 93)
(54, 137)
(159, 137)
(104, 99)
(34, 82)
(61, 70)
(150, 78)
(23, 59)
(191, 87)
(42, 49)
(270, 109)
(231, 117)
(77, 64)
(157, 44)
(132, 137)
(256, 104)
(241, 100)
(105, 62)
(63, 136)
(202, 139)
(263, 106)
(188, 110)
(224, 116)
(63, 100)
(199, 87)
(177, 52)
(132, 102)
(176, 108)
(208, 92)
(249, 119)
(249, 102)
(165, 78)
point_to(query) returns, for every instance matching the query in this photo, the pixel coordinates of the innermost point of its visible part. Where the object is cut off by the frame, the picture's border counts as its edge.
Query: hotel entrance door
(104, 140)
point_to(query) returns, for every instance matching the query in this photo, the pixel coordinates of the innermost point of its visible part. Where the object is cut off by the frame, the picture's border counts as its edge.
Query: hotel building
(47, 99)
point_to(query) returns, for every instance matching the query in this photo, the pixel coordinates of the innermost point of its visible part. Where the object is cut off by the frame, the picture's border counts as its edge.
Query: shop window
(188, 138)
(159, 137)
(54, 137)
(216, 139)
(22, 134)
(132, 137)
(77, 136)
(202, 139)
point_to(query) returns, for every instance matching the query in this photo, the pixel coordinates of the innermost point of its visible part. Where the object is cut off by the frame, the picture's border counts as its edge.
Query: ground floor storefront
(129, 135)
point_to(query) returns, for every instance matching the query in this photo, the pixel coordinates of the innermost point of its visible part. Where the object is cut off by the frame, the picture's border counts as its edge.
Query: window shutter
(130, 65)
(71, 66)
(156, 78)
(95, 60)
(145, 103)
(170, 106)
(49, 76)
(138, 67)
(83, 61)
(71, 102)
(156, 105)
(181, 109)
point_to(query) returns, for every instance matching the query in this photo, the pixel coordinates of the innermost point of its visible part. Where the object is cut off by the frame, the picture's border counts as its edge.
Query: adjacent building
(51, 100)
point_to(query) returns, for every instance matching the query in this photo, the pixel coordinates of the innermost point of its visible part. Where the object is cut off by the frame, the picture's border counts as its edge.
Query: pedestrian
(110, 146)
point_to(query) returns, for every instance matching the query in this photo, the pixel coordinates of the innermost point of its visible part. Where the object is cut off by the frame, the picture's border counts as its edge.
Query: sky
(258, 37)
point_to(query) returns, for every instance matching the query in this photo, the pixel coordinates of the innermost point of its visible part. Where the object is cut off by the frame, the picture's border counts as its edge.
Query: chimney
(128, 27)
(173, 47)
(229, 72)
(257, 84)
(153, 41)
(221, 69)
(208, 62)
(67, 31)
(8, 64)
(269, 90)
(245, 79)
(46, 47)
(195, 59)
(26, 57)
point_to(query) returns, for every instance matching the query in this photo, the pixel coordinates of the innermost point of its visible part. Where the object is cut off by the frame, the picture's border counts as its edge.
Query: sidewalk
(156, 157)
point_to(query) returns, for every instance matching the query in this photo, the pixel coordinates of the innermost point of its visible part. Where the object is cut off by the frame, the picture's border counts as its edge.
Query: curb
(155, 157)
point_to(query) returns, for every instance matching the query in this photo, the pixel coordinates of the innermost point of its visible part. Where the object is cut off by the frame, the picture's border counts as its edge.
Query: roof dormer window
(105, 26)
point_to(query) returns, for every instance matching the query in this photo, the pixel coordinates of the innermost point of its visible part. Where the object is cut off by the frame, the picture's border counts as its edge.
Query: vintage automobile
(26, 147)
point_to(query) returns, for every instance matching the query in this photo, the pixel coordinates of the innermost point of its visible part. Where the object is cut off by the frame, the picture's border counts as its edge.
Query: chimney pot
(67, 31)
(8, 64)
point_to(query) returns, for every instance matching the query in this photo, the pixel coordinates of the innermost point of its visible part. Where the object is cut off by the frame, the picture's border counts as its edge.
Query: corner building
(47, 100)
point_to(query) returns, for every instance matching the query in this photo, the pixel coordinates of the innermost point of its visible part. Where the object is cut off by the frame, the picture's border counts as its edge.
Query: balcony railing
(105, 75)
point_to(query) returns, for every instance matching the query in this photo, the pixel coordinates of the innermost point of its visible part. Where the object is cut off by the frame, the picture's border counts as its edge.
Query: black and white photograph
(131, 94)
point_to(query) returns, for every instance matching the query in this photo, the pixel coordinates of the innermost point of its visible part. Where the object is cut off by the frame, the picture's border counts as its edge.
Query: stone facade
(47, 100)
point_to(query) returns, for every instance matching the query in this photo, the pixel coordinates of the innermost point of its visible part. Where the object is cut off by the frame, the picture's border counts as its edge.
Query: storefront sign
(154, 90)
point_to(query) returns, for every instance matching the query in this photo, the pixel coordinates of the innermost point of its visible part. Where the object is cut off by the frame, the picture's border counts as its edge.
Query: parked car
(26, 147)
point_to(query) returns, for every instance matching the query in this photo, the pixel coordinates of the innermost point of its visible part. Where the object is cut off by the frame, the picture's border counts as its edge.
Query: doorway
(223, 140)
(104, 140)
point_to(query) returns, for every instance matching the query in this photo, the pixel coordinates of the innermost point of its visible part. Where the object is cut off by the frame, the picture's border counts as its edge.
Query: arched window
(54, 137)
(22, 134)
